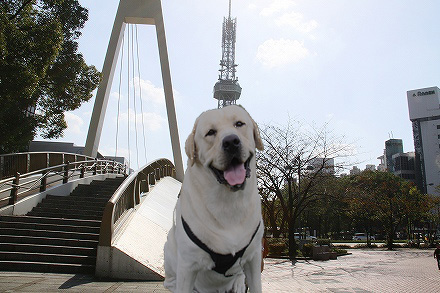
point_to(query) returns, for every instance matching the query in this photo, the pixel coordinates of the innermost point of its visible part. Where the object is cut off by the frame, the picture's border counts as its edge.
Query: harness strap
(223, 262)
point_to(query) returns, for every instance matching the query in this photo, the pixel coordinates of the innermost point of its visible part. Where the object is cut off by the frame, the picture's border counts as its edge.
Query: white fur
(223, 219)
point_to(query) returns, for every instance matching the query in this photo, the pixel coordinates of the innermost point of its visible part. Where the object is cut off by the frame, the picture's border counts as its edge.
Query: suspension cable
(128, 93)
(134, 96)
(135, 57)
(140, 94)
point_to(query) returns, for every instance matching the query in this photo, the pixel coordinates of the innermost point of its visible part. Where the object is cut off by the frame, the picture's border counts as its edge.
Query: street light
(291, 228)
(291, 231)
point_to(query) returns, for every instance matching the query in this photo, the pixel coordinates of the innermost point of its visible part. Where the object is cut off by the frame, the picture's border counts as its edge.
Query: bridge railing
(21, 185)
(128, 195)
(28, 162)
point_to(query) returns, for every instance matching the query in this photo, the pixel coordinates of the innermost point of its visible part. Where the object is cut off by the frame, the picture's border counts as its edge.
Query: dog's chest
(223, 263)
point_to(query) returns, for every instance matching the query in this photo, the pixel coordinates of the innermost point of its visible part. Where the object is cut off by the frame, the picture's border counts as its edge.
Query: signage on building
(423, 103)
(424, 93)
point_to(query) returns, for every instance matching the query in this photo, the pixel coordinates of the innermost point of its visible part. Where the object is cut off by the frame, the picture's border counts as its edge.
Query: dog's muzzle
(235, 175)
(236, 171)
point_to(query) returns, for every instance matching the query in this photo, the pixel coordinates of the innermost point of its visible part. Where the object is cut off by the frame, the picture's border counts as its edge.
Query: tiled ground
(403, 270)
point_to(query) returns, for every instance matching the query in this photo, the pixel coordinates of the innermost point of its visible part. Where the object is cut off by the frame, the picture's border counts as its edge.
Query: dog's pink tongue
(235, 174)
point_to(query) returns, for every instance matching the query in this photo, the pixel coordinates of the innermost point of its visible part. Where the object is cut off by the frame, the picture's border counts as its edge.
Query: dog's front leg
(252, 271)
(186, 277)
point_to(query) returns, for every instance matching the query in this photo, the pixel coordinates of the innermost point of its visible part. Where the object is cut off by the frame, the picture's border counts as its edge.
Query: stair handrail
(23, 185)
(128, 195)
(31, 161)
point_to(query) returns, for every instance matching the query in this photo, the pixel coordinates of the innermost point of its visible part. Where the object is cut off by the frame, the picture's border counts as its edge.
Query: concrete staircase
(60, 235)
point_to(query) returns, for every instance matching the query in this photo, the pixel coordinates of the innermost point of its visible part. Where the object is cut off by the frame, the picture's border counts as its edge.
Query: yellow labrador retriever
(215, 242)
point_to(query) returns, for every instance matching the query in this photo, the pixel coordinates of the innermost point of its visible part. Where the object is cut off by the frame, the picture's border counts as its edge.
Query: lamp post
(291, 226)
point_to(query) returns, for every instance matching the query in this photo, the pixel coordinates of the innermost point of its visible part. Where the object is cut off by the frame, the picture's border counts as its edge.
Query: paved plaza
(402, 270)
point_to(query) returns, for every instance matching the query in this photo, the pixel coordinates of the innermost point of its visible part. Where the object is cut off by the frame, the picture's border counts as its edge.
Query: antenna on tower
(227, 90)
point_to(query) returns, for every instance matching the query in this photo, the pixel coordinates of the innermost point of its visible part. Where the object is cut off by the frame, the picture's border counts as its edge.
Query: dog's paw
(239, 285)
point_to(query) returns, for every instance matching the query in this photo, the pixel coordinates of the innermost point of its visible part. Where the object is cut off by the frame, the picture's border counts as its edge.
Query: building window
(438, 126)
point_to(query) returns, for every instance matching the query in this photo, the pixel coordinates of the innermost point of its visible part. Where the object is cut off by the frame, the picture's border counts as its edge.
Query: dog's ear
(190, 146)
(258, 142)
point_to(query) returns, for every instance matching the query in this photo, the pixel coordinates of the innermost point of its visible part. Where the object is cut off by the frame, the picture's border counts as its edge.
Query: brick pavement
(403, 270)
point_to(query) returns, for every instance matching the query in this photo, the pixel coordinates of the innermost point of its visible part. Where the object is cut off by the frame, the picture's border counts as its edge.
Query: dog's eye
(211, 132)
(239, 124)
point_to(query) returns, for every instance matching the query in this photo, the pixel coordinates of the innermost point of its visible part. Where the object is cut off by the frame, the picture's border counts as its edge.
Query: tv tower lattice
(227, 90)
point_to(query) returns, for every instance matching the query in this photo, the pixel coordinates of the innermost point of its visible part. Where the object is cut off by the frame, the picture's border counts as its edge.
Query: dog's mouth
(235, 174)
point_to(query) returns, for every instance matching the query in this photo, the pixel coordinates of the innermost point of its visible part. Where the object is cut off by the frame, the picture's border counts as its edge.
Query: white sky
(345, 62)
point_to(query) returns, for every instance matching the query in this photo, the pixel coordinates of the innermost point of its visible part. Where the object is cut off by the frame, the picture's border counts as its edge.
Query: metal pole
(14, 191)
(66, 173)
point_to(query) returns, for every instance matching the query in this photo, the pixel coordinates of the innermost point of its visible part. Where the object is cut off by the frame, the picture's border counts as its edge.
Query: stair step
(93, 195)
(47, 220)
(60, 235)
(95, 188)
(47, 257)
(74, 200)
(66, 215)
(42, 248)
(108, 182)
(49, 241)
(69, 209)
(48, 234)
(27, 266)
(49, 227)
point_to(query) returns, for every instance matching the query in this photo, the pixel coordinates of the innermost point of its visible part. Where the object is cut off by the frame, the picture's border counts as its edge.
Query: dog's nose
(231, 143)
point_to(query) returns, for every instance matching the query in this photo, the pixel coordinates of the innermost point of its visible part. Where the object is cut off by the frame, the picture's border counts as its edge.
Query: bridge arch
(147, 12)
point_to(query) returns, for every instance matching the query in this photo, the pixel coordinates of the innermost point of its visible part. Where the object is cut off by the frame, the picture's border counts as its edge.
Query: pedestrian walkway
(402, 270)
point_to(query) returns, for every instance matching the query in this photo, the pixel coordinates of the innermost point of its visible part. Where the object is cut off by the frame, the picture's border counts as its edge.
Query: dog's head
(223, 141)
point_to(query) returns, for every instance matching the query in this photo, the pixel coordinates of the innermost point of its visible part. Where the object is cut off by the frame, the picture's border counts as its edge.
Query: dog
(215, 242)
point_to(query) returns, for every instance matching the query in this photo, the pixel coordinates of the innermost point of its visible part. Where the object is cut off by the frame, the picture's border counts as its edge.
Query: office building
(355, 171)
(392, 146)
(324, 165)
(404, 166)
(370, 167)
(424, 113)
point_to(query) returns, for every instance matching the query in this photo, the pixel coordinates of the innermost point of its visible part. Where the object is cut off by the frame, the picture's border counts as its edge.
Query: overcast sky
(345, 62)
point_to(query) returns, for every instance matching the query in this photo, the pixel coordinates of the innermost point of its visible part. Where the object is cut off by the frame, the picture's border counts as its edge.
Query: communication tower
(226, 89)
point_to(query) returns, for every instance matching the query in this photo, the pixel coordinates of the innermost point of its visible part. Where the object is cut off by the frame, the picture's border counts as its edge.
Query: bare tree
(293, 169)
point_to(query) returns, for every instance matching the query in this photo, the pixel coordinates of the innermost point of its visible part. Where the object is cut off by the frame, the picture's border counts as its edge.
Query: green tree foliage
(328, 217)
(382, 197)
(42, 75)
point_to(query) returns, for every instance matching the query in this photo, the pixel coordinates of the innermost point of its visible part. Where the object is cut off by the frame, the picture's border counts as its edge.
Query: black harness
(223, 262)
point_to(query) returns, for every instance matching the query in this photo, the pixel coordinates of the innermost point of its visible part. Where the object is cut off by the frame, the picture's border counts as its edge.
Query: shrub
(341, 246)
(324, 242)
(339, 251)
(307, 249)
(277, 246)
